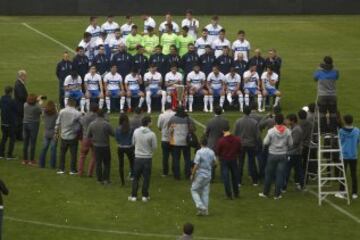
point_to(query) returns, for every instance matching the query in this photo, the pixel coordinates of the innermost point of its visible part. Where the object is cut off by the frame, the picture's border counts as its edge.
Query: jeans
(229, 173)
(251, 152)
(86, 147)
(8, 132)
(294, 161)
(176, 154)
(328, 104)
(73, 146)
(103, 161)
(200, 190)
(166, 150)
(275, 170)
(31, 131)
(1, 220)
(130, 153)
(352, 164)
(142, 168)
(52, 143)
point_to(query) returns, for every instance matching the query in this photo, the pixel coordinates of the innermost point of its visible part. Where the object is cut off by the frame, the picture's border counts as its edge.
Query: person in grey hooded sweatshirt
(145, 143)
(279, 140)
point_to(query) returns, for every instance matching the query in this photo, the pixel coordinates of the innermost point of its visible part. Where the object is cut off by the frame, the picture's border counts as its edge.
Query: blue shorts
(94, 93)
(114, 93)
(76, 95)
(252, 91)
(216, 92)
(271, 91)
(154, 91)
(135, 93)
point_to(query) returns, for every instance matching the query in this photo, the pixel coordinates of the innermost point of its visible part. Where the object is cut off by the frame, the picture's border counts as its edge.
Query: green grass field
(43, 205)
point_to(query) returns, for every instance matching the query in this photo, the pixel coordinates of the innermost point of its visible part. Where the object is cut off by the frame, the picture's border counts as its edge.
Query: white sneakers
(134, 199)
(342, 196)
(60, 172)
(206, 110)
(262, 195)
(355, 196)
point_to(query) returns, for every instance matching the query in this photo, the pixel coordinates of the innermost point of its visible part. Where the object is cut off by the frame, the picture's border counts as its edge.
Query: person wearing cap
(207, 60)
(149, 22)
(202, 42)
(133, 40)
(150, 41)
(183, 41)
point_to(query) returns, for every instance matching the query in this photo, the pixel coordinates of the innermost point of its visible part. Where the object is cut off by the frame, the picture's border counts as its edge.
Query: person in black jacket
(275, 61)
(159, 60)
(240, 64)
(8, 117)
(63, 69)
(207, 60)
(189, 60)
(101, 61)
(172, 58)
(21, 95)
(141, 62)
(258, 61)
(81, 62)
(123, 61)
(225, 61)
(5, 191)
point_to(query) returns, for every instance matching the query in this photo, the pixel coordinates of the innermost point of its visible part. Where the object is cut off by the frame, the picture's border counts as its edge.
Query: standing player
(115, 42)
(269, 80)
(85, 43)
(207, 60)
(80, 62)
(215, 84)
(132, 86)
(232, 83)
(252, 86)
(172, 79)
(183, 41)
(93, 29)
(126, 27)
(109, 27)
(241, 45)
(153, 83)
(133, 40)
(195, 82)
(167, 39)
(113, 87)
(100, 42)
(168, 20)
(148, 22)
(202, 42)
(93, 88)
(150, 41)
(214, 28)
(73, 89)
(191, 23)
(219, 43)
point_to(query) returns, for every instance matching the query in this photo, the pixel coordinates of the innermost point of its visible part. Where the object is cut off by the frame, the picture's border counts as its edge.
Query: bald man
(258, 61)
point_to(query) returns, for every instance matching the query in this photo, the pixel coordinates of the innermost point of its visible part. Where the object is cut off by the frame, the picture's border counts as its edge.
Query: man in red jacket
(228, 150)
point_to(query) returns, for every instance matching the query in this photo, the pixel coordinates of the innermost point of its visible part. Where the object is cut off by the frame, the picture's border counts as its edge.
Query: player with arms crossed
(252, 86)
(73, 89)
(153, 82)
(269, 80)
(195, 82)
(215, 84)
(113, 85)
(93, 87)
(232, 83)
(172, 79)
(132, 86)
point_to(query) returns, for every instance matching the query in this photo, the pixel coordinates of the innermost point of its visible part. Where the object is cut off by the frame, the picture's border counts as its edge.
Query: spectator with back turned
(3, 191)
(306, 127)
(20, 94)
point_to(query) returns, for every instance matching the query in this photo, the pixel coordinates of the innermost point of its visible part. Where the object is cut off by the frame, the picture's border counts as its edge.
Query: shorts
(94, 93)
(198, 90)
(170, 90)
(233, 91)
(271, 91)
(114, 93)
(134, 92)
(153, 91)
(251, 91)
(76, 95)
(216, 92)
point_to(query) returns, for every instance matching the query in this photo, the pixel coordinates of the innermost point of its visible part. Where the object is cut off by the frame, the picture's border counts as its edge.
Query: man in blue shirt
(101, 61)
(207, 60)
(225, 62)
(80, 62)
(189, 60)
(123, 61)
(63, 69)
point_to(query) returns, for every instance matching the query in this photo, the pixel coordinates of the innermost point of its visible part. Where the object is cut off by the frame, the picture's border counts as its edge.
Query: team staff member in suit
(80, 62)
(207, 60)
(20, 94)
(63, 69)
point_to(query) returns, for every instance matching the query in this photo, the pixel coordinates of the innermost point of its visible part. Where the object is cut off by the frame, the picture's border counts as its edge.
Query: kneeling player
(232, 83)
(153, 82)
(132, 85)
(215, 84)
(252, 86)
(269, 80)
(172, 79)
(113, 83)
(73, 89)
(195, 83)
(93, 87)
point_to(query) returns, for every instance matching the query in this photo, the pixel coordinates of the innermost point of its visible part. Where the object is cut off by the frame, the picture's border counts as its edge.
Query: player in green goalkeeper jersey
(133, 40)
(183, 41)
(150, 41)
(167, 39)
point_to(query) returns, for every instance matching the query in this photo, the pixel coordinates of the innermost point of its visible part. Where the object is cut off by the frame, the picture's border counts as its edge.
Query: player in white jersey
(215, 84)
(132, 86)
(148, 22)
(252, 86)
(172, 79)
(202, 42)
(126, 28)
(191, 23)
(109, 27)
(73, 89)
(214, 28)
(100, 42)
(232, 83)
(168, 19)
(195, 82)
(153, 82)
(241, 45)
(269, 80)
(85, 43)
(219, 43)
(116, 42)
(114, 90)
(94, 29)
(93, 87)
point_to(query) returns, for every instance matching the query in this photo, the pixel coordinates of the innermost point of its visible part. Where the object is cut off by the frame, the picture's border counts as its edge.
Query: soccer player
(189, 60)
(153, 83)
(109, 27)
(275, 61)
(168, 20)
(173, 58)
(115, 42)
(85, 43)
(251, 81)
(259, 61)
(113, 86)
(167, 39)
(232, 83)
(240, 64)
(207, 60)
(132, 86)
(148, 22)
(219, 43)
(93, 87)
(159, 60)
(123, 60)
(73, 89)
(191, 23)
(100, 41)
(241, 45)
(63, 69)
(214, 28)
(141, 62)
(269, 79)
(195, 82)
(80, 62)
(126, 27)
(94, 29)
(150, 41)
(215, 84)
(225, 61)
(101, 61)
(172, 78)
(133, 40)
(183, 41)
(202, 42)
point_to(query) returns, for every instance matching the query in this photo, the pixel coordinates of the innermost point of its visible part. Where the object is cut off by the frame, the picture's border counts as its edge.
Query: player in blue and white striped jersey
(94, 29)
(109, 27)
(126, 27)
(252, 86)
(232, 83)
(241, 45)
(114, 88)
(214, 28)
(202, 42)
(132, 86)
(73, 89)
(93, 87)
(153, 82)
(219, 43)
(215, 84)
(116, 42)
(195, 82)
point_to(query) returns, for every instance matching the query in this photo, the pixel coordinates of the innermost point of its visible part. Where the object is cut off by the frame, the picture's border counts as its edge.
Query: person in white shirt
(252, 86)
(153, 82)
(148, 22)
(100, 42)
(172, 79)
(73, 89)
(269, 79)
(241, 45)
(214, 28)
(85, 43)
(191, 23)
(114, 89)
(94, 29)
(109, 27)
(202, 42)
(195, 82)
(126, 27)
(168, 19)
(219, 43)
(132, 86)
(216, 86)
(232, 84)
(115, 42)
(93, 87)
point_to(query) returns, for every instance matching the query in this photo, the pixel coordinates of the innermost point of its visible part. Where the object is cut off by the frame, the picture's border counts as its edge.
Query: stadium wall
(177, 7)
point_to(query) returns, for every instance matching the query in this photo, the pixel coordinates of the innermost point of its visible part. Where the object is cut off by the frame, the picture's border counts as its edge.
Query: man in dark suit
(21, 95)
(63, 69)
